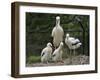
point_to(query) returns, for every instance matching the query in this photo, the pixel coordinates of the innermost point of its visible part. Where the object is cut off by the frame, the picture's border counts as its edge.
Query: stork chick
(57, 54)
(46, 53)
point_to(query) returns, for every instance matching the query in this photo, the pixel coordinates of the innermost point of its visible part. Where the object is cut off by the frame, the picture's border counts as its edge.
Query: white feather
(70, 41)
(57, 33)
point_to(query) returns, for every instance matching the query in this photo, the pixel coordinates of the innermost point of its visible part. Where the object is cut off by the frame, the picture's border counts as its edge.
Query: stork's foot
(61, 61)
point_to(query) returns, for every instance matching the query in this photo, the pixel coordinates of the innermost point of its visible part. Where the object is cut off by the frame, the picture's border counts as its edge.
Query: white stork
(72, 43)
(46, 53)
(57, 33)
(57, 54)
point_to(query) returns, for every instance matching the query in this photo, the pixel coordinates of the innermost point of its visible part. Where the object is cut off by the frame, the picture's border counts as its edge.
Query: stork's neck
(57, 23)
(67, 37)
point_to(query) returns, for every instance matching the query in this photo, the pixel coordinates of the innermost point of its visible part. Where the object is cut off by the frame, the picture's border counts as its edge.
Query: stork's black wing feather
(75, 43)
(42, 54)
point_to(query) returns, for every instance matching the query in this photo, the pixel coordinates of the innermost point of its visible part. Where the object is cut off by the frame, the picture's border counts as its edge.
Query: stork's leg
(70, 53)
(61, 56)
(74, 52)
(47, 62)
(70, 57)
(61, 60)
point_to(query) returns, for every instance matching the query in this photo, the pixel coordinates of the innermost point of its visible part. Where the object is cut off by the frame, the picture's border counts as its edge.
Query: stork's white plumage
(57, 54)
(57, 33)
(46, 53)
(72, 43)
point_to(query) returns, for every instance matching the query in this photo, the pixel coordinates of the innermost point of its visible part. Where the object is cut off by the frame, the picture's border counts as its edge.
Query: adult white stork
(57, 33)
(46, 53)
(72, 43)
(57, 54)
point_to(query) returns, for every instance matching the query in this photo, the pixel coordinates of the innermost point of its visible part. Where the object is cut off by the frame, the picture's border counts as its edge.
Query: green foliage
(33, 59)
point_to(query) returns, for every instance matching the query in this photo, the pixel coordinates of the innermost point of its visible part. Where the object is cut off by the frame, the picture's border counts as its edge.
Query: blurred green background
(38, 32)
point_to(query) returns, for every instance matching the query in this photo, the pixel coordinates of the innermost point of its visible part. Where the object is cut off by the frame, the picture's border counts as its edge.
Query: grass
(33, 59)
